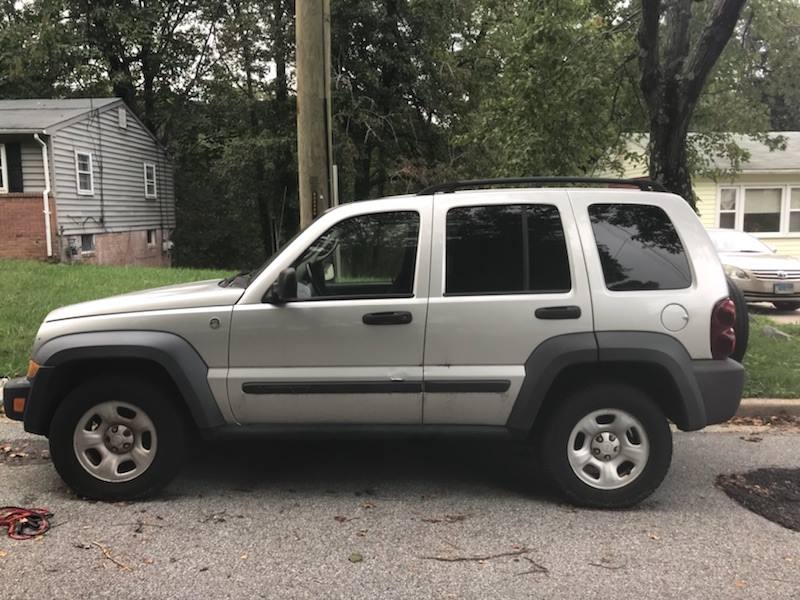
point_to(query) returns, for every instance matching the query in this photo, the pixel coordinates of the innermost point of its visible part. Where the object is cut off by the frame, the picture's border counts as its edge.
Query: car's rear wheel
(786, 305)
(117, 438)
(607, 445)
(742, 325)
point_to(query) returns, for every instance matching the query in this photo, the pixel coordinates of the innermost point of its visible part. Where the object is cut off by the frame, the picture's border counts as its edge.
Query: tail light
(723, 334)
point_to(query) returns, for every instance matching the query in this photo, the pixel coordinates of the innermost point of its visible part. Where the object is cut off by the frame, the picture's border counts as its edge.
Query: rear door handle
(400, 317)
(558, 312)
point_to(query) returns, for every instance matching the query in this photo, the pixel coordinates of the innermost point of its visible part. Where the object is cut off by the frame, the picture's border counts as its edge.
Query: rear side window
(506, 249)
(639, 248)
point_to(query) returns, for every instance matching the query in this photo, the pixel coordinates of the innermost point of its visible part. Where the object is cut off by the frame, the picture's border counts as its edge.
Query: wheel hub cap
(608, 449)
(119, 438)
(605, 446)
(115, 441)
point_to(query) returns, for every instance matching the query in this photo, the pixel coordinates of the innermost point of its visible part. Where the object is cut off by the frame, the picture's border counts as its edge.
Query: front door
(348, 349)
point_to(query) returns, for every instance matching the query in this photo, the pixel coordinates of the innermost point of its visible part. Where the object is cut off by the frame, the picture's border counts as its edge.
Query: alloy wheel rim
(115, 441)
(608, 449)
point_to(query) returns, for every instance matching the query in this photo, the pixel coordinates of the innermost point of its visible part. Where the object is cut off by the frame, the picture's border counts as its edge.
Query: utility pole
(314, 151)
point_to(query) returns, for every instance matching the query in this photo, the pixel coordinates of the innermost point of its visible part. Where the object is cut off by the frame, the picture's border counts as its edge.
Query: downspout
(45, 195)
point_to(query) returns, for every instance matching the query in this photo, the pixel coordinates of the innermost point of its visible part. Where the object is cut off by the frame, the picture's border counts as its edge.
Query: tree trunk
(671, 86)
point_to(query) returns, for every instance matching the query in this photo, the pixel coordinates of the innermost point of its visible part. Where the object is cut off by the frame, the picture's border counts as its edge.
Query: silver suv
(583, 319)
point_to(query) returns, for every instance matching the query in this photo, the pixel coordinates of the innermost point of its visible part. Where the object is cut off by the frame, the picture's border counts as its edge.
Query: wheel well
(650, 378)
(67, 376)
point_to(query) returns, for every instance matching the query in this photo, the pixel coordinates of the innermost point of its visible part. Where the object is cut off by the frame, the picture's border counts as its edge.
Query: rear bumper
(721, 383)
(15, 397)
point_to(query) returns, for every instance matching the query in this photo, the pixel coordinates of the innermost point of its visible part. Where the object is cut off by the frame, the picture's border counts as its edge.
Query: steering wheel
(315, 278)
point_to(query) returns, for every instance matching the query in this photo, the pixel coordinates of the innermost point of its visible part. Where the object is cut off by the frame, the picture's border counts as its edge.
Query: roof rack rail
(646, 185)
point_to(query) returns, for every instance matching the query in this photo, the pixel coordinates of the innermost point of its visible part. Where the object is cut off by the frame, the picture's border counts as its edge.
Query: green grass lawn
(772, 364)
(29, 290)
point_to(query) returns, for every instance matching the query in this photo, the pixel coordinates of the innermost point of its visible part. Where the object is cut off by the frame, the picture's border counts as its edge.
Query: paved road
(282, 520)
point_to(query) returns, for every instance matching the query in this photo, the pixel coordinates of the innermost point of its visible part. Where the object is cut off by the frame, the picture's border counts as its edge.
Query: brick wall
(125, 248)
(22, 233)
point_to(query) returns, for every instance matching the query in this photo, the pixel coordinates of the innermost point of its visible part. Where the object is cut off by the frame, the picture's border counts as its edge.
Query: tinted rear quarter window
(639, 248)
(514, 248)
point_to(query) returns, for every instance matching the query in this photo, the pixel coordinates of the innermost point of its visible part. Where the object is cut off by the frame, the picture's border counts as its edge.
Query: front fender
(174, 354)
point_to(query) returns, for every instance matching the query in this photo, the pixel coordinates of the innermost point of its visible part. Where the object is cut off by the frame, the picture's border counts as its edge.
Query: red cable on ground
(25, 523)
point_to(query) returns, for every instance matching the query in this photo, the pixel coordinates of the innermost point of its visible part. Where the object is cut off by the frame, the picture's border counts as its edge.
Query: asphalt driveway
(421, 518)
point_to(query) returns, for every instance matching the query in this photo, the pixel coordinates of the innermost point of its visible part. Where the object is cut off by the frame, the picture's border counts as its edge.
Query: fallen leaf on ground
(751, 438)
(148, 561)
(653, 536)
(367, 504)
(740, 583)
(355, 557)
(3, 553)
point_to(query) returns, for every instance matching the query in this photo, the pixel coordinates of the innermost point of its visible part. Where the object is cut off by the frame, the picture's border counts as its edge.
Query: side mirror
(285, 288)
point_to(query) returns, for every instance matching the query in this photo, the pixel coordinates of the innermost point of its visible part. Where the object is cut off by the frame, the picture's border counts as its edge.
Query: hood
(760, 262)
(184, 295)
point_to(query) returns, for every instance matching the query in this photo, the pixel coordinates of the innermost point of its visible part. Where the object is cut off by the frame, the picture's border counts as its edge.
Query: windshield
(737, 241)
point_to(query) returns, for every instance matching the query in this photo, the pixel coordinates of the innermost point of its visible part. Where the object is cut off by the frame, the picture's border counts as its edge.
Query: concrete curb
(769, 407)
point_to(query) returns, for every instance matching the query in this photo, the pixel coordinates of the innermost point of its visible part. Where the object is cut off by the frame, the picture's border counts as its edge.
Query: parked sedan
(755, 268)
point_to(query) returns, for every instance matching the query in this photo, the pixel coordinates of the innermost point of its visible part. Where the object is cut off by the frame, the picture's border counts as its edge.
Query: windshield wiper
(229, 280)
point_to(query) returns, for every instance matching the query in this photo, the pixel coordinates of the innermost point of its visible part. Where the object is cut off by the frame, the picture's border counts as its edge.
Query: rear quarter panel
(642, 310)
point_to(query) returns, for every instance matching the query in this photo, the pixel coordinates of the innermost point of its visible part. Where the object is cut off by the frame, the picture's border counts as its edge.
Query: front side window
(639, 248)
(368, 256)
(3, 170)
(83, 173)
(149, 180)
(506, 249)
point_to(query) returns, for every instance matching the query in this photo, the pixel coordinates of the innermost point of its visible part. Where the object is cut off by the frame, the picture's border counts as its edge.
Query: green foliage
(423, 91)
(772, 364)
(39, 288)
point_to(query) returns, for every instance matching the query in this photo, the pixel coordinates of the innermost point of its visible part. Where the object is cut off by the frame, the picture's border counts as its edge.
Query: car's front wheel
(117, 438)
(607, 445)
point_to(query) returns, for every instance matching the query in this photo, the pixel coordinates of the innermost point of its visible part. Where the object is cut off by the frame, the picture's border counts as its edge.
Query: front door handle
(558, 312)
(399, 317)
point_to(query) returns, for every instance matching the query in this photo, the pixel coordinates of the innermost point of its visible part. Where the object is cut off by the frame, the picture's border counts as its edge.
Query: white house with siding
(763, 198)
(83, 179)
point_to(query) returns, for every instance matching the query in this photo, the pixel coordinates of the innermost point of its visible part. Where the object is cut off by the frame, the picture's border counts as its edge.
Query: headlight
(736, 272)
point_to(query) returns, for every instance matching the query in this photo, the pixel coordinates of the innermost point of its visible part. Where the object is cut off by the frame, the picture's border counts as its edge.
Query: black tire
(580, 403)
(171, 433)
(786, 306)
(742, 326)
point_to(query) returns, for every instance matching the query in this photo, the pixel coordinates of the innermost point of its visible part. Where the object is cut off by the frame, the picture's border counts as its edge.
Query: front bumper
(15, 397)
(763, 290)
(721, 383)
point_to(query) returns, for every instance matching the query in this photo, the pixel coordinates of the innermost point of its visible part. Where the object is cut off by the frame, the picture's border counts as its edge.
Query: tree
(673, 70)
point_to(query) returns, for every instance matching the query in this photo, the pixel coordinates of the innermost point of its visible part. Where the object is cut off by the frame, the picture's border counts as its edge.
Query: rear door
(507, 273)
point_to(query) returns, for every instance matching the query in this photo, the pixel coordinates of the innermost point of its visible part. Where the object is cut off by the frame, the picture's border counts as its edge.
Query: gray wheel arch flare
(175, 355)
(552, 357)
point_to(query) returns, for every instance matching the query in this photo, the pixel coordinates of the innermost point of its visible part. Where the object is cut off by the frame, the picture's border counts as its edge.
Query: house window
(87, 242)
(3, 170)
(151, 237)
(122, 117)
(762, 210)
(794, 210)
(727, 207)
(149, 180)
(759, 209)
(83, 173)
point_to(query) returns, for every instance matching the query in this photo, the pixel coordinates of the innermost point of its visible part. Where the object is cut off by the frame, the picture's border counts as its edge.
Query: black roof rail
(646, 185)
